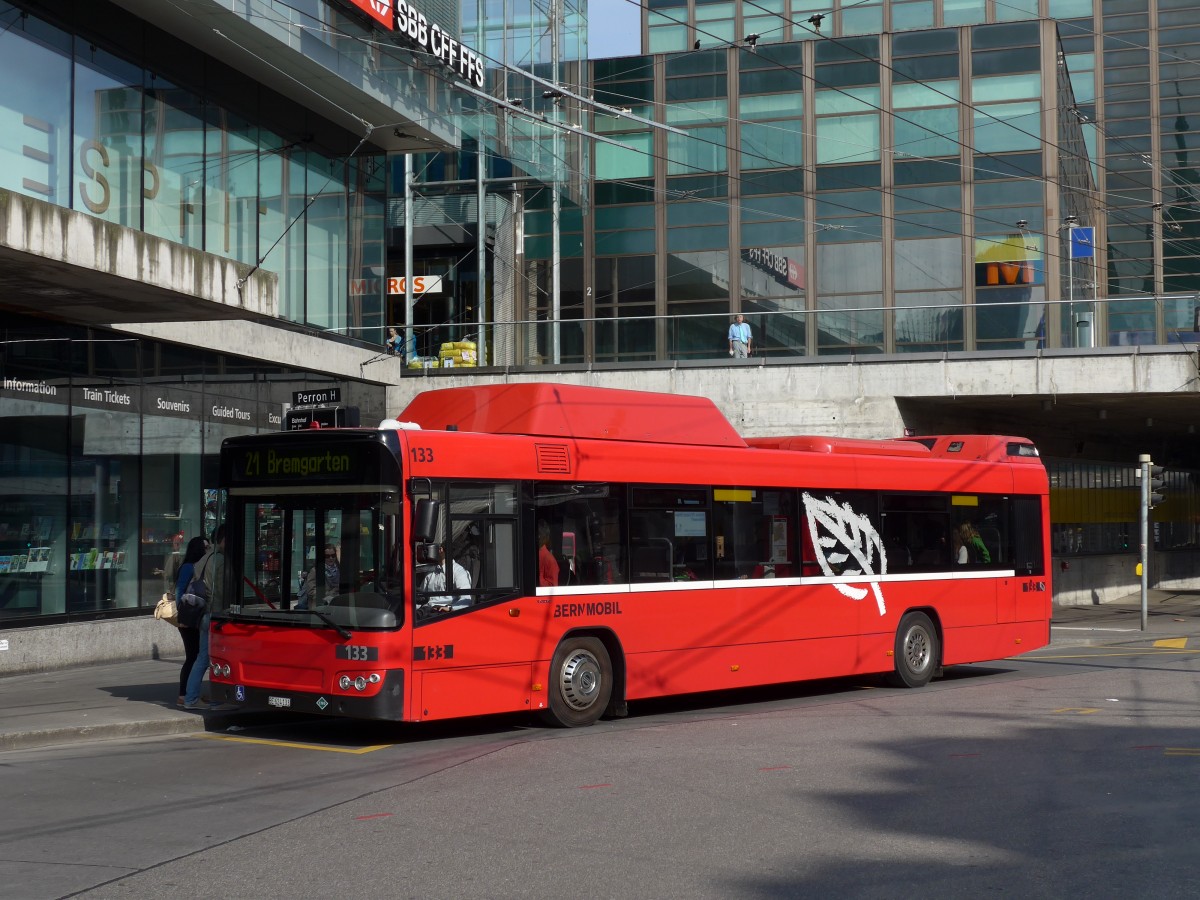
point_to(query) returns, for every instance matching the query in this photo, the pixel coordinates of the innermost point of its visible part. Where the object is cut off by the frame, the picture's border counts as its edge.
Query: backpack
(194, 601)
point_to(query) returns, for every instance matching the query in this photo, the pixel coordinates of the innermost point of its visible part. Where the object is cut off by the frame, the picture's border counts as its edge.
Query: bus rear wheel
(581, 682)
(917, 651)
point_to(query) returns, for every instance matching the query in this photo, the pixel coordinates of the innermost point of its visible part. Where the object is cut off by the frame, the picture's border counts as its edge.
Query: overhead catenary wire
(818, 225)
(1038, 177)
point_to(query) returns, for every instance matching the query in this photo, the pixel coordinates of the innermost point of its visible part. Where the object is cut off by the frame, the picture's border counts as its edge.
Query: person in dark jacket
(196, 549)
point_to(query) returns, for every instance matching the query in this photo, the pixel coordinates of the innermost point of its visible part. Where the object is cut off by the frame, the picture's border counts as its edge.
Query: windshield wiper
(328, 620)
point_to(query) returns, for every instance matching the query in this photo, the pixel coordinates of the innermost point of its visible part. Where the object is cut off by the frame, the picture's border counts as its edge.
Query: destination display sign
(298, 464)
(315, 458)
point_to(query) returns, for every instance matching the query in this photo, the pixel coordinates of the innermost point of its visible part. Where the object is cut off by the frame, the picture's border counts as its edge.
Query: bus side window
(601, 554)
(587, 528)
(808, 553)
(1027, 551)
(477, 527)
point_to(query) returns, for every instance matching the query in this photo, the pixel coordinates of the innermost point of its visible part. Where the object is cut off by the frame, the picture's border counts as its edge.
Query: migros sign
(399, 15)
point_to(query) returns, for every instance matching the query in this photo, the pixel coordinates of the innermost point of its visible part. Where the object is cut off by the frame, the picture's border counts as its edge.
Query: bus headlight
(360, 682)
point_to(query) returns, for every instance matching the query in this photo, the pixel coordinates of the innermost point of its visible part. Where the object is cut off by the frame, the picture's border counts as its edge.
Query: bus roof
(817, 444)
(543, 409)
(967, 447)
(574, 411)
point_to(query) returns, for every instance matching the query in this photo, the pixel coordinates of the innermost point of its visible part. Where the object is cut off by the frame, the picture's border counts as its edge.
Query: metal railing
(796, 333)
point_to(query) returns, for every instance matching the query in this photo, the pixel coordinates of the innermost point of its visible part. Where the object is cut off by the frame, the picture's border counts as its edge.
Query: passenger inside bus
(331, 569)
(549, 569)
(969, 546)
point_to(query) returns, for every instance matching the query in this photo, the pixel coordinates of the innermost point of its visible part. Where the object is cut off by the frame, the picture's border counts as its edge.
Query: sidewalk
(92, 703)
(1169, 615)
(137, 699)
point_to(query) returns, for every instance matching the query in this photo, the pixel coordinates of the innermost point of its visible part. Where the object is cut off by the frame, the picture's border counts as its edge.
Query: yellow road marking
(1173, 643)
(1082, 710)
(1182, 751)
(294, 745)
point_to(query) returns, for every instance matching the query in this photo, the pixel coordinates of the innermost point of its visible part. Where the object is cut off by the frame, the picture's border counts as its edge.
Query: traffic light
(1156, 486)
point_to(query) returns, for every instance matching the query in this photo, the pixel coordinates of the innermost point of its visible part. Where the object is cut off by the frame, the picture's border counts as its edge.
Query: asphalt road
(1069, 772)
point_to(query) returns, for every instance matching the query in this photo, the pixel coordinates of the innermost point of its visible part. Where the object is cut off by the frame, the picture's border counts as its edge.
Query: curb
(1082, 636)
(50, 737)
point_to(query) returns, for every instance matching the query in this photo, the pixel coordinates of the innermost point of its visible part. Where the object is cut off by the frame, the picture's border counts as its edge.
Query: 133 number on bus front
(421, 454)
(357, 653)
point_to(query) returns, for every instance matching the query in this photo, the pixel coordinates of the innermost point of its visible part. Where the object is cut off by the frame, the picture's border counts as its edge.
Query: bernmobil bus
(565, 550)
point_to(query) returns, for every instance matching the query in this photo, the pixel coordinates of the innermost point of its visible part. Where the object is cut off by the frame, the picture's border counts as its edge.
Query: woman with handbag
(189, 629)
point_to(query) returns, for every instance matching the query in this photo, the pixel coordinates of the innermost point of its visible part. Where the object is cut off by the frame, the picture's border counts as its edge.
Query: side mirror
(425, 520)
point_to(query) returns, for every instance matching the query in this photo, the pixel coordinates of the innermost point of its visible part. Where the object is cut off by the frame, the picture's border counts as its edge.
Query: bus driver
(435, 583)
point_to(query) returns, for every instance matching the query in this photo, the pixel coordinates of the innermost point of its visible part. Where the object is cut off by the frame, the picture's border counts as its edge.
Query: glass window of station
(176, 144)
(108, 462)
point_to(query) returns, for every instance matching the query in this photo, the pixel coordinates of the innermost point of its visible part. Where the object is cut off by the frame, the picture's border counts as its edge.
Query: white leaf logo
(846, 544)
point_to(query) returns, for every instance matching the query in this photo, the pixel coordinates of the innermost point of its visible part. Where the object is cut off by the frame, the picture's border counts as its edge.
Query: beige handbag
(167, 610)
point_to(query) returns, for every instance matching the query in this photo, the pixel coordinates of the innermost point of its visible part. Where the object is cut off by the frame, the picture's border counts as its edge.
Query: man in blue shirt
(739, 338)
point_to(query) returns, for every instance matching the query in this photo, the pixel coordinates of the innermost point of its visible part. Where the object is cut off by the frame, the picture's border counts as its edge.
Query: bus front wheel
(581, 682)
(917, 651)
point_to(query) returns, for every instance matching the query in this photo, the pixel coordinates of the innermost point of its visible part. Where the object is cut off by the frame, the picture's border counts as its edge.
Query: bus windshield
(317, 558)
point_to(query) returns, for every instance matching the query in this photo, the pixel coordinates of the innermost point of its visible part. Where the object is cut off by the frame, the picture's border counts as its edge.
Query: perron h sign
(317, 397)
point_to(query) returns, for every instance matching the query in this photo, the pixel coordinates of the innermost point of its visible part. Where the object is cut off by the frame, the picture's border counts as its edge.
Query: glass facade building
(893, 177)
(110, 441)
(860, 195)
(108, 461)
(931, 175)
(120, 120)
(1133, 92)
(862, 178)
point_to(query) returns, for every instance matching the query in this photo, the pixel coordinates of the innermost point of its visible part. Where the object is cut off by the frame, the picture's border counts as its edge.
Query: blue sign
(1083, 243)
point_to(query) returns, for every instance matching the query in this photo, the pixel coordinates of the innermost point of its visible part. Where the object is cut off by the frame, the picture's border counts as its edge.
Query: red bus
(565, 550)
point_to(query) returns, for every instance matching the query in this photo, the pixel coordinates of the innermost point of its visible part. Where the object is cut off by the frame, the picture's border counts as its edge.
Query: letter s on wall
(94, 206)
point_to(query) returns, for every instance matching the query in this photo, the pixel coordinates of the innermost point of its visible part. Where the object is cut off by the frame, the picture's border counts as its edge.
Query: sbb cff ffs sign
(403, 17)
(321, 417)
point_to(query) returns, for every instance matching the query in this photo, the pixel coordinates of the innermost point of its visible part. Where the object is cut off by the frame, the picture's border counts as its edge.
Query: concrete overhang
(302, 65)
(72, 267)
